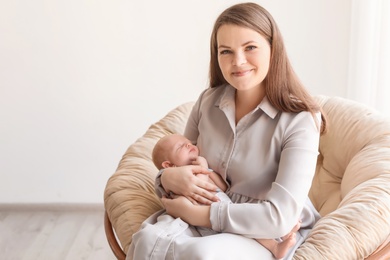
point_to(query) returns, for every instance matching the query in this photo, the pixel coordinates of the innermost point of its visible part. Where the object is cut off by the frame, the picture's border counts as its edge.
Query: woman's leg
(222, 246)
(164, 237)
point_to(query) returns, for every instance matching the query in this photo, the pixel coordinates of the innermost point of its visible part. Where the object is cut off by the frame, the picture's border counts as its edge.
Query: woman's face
(243, 56)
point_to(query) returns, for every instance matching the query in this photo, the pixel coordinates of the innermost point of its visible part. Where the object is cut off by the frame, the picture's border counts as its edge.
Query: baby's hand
(200, 161)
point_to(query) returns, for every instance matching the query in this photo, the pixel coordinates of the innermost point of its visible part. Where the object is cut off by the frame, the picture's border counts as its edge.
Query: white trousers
(164, 237)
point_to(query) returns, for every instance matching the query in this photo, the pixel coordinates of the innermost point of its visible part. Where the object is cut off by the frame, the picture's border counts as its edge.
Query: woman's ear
(167, 164)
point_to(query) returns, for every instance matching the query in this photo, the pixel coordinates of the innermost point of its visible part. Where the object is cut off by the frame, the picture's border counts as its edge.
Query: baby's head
(174, 150)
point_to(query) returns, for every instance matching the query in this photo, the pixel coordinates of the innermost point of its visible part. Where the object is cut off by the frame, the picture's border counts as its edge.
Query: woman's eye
(249, 48)
(225, 52)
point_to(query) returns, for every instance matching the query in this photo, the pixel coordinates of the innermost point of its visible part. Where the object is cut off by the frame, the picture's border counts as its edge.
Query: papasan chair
(351, 187)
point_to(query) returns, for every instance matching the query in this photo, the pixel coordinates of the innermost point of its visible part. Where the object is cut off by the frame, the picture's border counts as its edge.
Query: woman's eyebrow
(248, 42)
(227, 47)
(223, 46)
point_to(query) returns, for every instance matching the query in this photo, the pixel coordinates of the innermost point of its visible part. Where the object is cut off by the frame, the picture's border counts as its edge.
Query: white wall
(81, 80)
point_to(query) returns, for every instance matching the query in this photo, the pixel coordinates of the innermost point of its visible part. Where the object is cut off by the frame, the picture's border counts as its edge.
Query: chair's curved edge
(382, 253)
(111, 238)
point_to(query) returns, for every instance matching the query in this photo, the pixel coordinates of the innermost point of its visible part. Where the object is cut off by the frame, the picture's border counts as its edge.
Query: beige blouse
(268, 160)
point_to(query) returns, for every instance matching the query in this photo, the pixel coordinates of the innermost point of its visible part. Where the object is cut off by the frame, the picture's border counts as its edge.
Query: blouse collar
(227, 101)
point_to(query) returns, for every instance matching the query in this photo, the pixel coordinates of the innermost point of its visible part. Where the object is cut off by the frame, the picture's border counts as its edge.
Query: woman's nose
(239, 59)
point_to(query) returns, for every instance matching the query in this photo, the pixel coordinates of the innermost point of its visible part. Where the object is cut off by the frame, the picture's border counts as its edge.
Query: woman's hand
(182, 181)
(181, 207)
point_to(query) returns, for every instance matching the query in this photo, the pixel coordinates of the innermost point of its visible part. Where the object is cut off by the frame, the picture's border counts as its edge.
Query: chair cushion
(352, 183)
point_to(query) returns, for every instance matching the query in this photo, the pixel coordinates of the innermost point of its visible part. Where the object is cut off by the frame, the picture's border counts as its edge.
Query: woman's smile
(241, 73)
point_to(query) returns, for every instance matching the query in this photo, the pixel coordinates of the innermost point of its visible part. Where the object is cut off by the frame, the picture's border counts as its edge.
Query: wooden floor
(53, 233)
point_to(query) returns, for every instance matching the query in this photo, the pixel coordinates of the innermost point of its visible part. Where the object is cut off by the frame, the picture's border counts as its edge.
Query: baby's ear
(166, 164)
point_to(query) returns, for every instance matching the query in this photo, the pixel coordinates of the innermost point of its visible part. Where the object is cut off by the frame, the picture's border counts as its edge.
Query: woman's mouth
(241, 73)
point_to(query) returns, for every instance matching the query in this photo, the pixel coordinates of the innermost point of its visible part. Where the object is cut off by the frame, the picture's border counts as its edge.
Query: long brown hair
(282, 86)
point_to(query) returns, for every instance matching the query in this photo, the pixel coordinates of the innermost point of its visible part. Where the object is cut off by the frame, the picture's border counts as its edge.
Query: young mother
(259, 129)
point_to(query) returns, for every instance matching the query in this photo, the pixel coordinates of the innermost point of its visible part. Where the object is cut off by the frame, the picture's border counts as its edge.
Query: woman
(259, 129)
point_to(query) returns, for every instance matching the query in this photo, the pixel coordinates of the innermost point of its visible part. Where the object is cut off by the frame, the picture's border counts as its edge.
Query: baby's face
(180, 150)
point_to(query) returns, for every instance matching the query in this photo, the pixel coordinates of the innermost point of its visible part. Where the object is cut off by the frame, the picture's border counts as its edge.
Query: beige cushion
(350, 189)
(352, 183)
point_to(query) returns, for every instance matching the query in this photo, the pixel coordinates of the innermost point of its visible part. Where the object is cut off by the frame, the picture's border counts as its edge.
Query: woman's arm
(196, 215)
